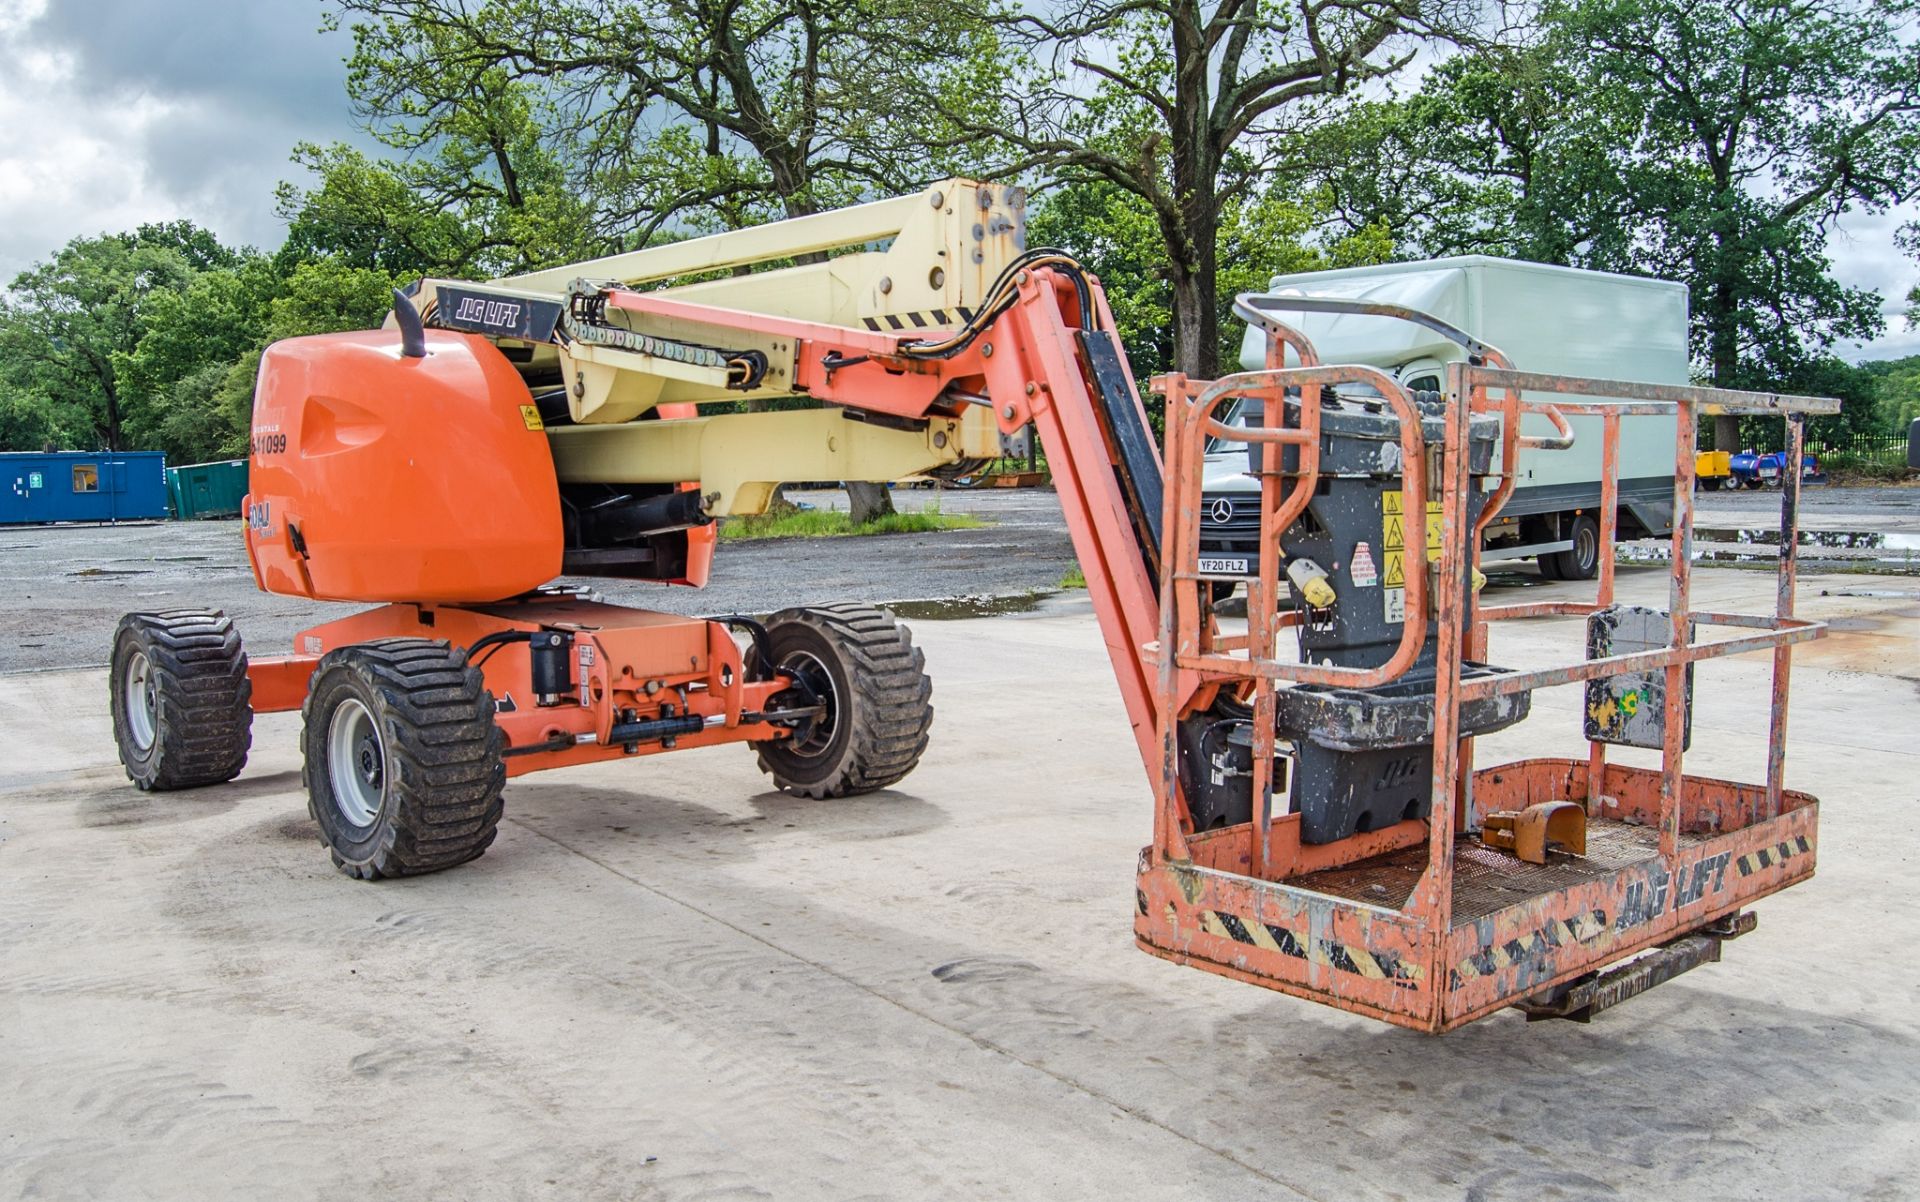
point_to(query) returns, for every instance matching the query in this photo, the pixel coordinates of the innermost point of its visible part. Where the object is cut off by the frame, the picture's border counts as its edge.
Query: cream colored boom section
(739, 248)
(915, 262)
(742, 456)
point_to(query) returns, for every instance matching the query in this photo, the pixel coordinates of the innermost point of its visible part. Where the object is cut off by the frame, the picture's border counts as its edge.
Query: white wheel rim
(356, 762)
(141, 699)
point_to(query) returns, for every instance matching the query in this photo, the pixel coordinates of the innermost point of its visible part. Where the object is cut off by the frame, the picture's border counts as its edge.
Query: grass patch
(1075, 578)
(1845, 473)
(836, 523)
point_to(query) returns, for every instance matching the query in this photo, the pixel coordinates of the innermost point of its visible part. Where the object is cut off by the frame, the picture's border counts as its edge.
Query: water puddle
(1894, 553)
(1851, 540)
(953, 609)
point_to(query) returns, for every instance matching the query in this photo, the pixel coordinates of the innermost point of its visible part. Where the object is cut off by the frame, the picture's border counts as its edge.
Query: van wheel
(861, 667)
(180, 698)
(403, 760)
(1583, 561)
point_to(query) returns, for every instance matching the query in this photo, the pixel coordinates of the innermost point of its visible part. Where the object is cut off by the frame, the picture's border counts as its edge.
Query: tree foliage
(66, 324)
(1708, 141)
(678, 115)
(1183, 108)
(1114, 233)
(1186, 151)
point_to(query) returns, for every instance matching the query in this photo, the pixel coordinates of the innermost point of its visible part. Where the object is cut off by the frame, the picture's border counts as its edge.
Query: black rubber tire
(1710, 483)
(1220, 590)
(1583, 562)
(437, 755)
(1549, 566)
(200, 702)
(880, 707)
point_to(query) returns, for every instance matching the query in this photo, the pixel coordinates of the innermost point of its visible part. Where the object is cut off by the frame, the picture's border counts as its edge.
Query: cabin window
(86, 477)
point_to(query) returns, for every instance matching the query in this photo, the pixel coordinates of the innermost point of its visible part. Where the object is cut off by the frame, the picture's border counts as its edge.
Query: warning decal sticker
(1393, 542)
(1365, 573)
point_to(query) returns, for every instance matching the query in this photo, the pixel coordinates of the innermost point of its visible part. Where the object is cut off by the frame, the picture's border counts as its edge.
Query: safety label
(1364, 571)
(1393, 542)
(530, 415)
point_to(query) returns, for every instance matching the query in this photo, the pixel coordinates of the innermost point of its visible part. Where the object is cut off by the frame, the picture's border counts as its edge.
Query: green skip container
(207, 490)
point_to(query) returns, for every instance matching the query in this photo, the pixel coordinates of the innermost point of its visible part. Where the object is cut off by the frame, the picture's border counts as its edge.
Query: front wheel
(861, 668)
(181, 701)
(403, 760)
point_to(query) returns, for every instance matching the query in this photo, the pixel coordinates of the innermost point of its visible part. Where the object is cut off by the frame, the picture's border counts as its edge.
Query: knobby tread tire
(444, 773)
(889, 694)
(203, 713)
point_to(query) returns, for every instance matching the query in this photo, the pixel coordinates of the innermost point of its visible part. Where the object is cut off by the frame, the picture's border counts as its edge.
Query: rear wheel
(1583, 561)
(180, 698)
(861, 667)
(403, 760)
(1710, 483)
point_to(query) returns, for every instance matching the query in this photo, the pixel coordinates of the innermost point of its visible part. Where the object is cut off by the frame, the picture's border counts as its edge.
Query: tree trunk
(1194, 257)
(868, 502)
(1723, 347)
(113, 419)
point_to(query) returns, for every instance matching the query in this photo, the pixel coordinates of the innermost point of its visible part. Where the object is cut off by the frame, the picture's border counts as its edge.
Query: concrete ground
(665, 981)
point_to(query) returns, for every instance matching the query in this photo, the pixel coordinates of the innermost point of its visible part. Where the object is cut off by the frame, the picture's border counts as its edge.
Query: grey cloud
(241, 81)
(267, 56)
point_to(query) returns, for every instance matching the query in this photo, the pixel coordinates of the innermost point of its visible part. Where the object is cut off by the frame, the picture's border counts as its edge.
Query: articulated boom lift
(1320, 827)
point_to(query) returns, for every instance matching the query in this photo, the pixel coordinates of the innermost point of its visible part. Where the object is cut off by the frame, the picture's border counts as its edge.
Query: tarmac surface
(68, 585)
(666, 982)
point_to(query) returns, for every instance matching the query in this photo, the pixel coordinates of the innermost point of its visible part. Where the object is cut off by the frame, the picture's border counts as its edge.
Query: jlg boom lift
(1320, 824)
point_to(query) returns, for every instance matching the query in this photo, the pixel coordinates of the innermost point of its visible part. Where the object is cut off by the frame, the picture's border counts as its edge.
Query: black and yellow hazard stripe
(1376, 966)
(1582, 928)
(1767, 857)
(932, 319)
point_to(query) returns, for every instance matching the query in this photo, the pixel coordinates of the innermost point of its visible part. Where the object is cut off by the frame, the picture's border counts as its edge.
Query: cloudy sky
(115, 112)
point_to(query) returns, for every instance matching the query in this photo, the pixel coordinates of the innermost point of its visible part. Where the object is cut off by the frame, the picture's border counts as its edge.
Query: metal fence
(1859, 450)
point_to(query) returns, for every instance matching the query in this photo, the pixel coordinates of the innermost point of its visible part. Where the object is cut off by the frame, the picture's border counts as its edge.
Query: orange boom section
(382, 477)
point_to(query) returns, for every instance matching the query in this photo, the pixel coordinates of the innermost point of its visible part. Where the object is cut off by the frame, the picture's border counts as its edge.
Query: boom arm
(932, 335)
(1034, 359)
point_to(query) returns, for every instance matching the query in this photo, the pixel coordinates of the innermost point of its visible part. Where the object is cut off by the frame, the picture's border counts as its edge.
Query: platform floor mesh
(1484, 880)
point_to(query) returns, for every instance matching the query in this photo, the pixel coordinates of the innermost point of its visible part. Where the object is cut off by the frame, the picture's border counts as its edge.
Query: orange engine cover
(376, 477)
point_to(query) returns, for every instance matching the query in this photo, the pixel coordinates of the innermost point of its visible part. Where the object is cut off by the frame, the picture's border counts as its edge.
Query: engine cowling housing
(380, 477)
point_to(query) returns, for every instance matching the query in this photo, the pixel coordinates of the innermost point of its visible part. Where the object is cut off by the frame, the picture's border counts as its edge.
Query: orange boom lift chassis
(1320, 825)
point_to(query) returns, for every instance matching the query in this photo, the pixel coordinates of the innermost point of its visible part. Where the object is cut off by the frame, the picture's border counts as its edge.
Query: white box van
(1558, 320)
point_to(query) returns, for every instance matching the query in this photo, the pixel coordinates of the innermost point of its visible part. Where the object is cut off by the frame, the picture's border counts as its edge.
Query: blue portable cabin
(82, 486)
